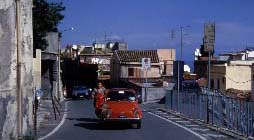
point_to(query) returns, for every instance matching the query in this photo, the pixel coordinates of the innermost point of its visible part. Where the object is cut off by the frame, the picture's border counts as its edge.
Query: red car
(121, 105)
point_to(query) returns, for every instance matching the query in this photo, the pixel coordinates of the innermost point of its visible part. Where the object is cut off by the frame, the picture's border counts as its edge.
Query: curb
(58, 125)
(220, 130)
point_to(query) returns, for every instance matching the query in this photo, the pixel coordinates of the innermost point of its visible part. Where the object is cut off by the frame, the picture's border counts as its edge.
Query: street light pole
(59, 64)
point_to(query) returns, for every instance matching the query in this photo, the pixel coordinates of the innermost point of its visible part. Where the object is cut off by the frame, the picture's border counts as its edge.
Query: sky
(147, 24)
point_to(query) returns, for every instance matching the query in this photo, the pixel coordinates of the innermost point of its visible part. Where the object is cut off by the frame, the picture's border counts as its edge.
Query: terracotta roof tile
(137, 55)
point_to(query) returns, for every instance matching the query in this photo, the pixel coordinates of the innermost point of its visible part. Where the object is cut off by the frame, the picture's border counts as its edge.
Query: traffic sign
(146, 63)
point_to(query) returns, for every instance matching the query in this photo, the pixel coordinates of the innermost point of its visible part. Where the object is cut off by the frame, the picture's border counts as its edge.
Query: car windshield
(121, 96)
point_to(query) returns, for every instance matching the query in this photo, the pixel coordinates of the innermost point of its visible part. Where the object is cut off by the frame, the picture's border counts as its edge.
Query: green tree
(46, 17)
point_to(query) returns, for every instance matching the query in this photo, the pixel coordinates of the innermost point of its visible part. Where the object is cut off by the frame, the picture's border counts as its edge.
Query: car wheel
(139, 125)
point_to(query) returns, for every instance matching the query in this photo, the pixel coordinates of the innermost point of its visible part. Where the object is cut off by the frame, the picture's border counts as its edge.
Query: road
(81, 123)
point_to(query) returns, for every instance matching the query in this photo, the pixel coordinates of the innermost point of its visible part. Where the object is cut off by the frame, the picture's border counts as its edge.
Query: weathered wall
(231, 76)
(154, 72)
(238, 77)
(37, 69)
(8, 102)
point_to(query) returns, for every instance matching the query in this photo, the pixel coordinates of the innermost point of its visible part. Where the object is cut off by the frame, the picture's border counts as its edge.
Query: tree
(46, 17)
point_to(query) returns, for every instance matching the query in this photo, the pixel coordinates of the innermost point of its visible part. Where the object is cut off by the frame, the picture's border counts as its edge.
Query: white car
(79, 91)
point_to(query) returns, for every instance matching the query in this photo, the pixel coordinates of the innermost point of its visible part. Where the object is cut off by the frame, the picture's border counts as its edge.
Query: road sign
(146, 63)
(209, 37)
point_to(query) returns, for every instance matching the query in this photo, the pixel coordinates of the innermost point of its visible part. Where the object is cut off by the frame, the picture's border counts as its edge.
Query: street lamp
(59, 62)
(69, 29)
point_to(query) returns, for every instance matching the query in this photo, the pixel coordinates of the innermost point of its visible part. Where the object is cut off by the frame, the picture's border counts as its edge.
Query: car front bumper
(122, 120)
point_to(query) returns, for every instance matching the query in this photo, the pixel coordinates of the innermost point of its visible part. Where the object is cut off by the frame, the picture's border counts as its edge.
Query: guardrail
(217, 110)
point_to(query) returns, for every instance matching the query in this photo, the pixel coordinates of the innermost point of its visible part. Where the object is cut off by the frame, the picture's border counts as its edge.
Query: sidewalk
(46, 118)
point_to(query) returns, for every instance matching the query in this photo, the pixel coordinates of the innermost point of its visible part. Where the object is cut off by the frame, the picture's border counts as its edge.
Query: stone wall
(8, 76)
(151, 94)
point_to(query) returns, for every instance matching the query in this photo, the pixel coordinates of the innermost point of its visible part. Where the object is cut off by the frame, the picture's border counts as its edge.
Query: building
(244, 55)
(167, 58)
(201, 66)
(71, 52)
(120, 46)
(50, 71)
(16, 81)
(103, 62)
(126, 65)
(37, 70)
(232, 76)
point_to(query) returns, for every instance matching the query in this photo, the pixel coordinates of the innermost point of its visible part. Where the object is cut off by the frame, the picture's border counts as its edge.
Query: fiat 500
(121, 105)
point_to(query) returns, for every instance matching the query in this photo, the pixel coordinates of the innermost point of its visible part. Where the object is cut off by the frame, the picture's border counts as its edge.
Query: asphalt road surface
(81, 124)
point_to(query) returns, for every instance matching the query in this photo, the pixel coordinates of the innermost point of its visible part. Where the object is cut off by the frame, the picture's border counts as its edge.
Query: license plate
(122, 116)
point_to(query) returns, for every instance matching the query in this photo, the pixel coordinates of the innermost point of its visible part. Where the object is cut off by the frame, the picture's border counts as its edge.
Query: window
(130, 71)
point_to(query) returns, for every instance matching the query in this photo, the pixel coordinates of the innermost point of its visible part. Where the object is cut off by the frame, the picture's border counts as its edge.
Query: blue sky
(146, 24)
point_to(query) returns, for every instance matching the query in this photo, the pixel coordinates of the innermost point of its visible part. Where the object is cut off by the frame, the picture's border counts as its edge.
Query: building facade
(16, 103)
(235, 75)
(126, 65)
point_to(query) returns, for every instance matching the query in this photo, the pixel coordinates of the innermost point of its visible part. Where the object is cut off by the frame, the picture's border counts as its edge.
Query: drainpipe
(19, 93)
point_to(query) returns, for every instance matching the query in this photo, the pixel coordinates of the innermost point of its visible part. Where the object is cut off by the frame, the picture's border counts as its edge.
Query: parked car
(121, 105)
(80, 91)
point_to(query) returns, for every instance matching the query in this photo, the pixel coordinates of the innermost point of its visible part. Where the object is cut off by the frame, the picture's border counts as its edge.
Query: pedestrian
(99, 90)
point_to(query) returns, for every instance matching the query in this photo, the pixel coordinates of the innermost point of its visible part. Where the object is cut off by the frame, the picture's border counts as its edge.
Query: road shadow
(83, 119)
(104, 126)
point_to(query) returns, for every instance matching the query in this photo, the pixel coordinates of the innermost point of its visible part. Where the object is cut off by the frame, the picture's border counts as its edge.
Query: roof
(249, 48)
(137, 55)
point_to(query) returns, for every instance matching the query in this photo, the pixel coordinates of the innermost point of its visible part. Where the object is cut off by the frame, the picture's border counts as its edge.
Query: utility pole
(180, 60)
(181, 55)
(18, 70)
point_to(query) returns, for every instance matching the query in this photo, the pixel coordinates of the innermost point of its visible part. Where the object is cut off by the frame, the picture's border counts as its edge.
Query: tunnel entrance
(75, 73)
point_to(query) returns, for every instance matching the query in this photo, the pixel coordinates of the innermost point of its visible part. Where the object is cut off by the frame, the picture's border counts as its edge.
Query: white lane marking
(214, 135)
(182, 121)
(192, 125)
(161, 113)
(58, 126)
(200, 129)
(185, 128)
(172, 118)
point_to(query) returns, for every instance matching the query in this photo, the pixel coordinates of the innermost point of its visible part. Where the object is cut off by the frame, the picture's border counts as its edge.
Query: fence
(220, 111)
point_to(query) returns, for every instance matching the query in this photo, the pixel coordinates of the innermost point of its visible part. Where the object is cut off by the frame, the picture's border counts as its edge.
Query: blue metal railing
(213, 108)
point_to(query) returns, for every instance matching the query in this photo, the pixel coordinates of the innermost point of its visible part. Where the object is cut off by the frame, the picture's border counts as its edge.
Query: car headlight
(135, 113)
